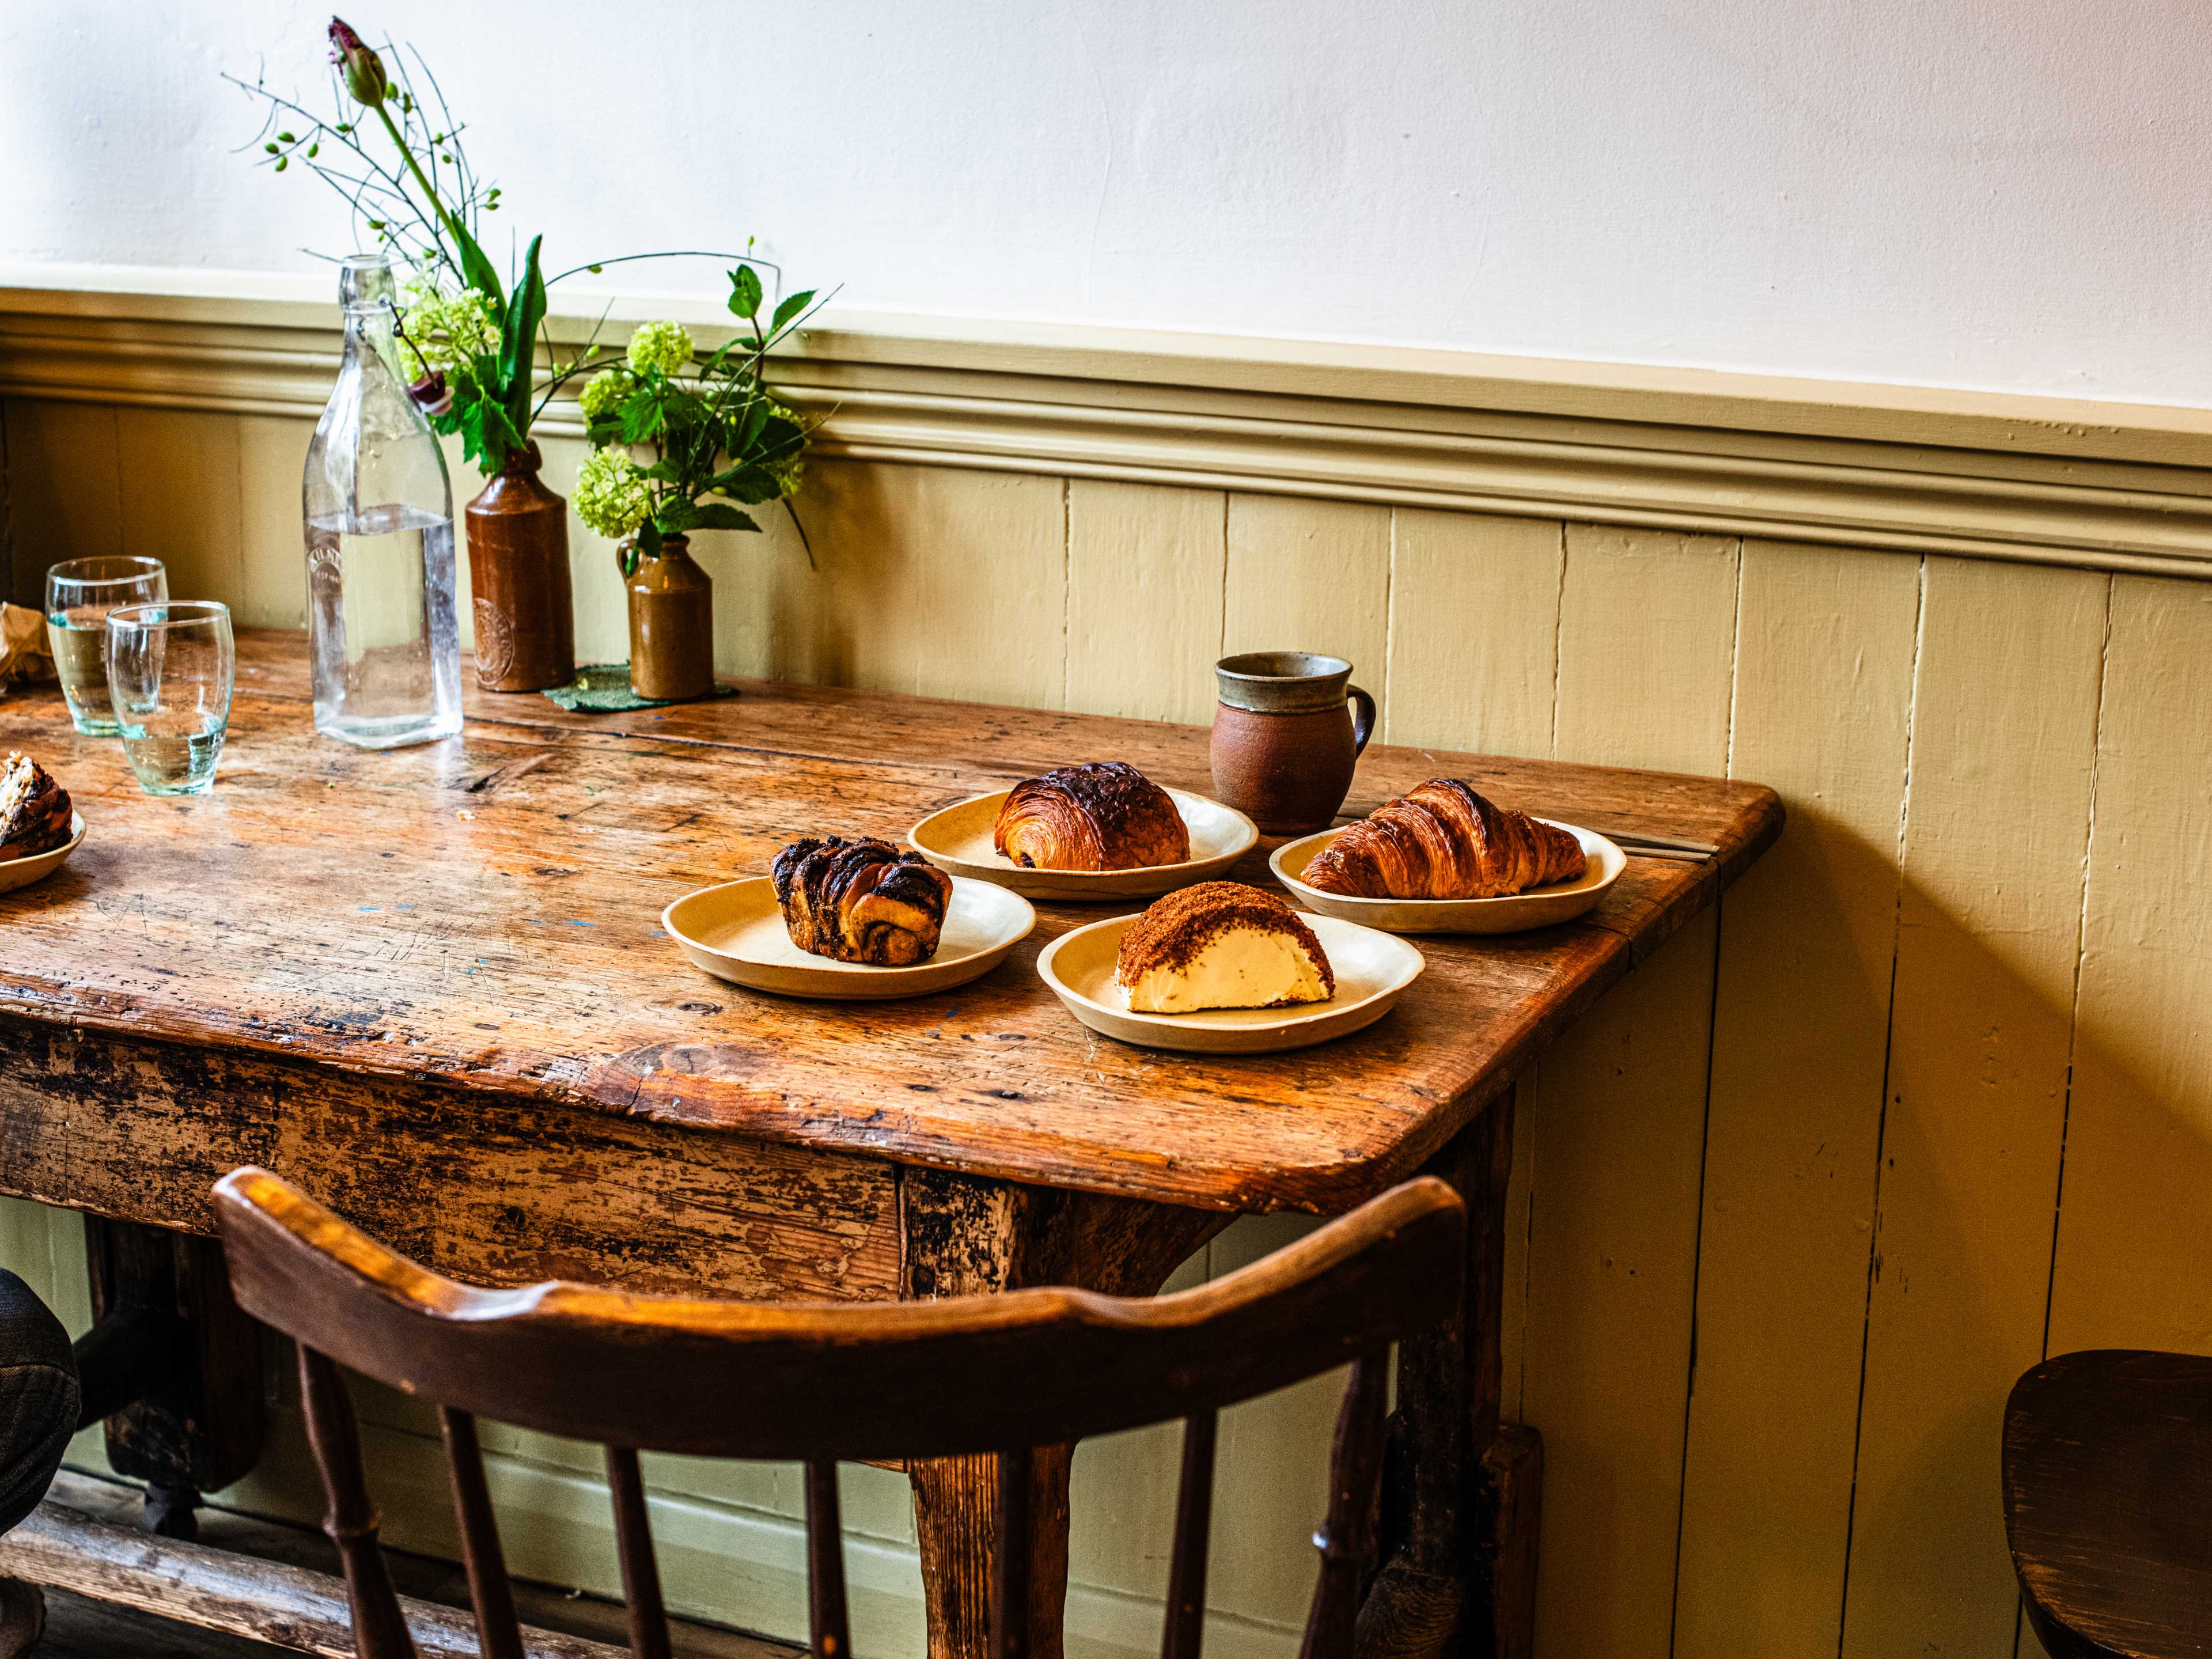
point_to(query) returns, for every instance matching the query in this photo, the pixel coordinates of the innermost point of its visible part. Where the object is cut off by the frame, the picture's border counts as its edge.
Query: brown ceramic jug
(672, 622)
(1285, 739)
(519, 578)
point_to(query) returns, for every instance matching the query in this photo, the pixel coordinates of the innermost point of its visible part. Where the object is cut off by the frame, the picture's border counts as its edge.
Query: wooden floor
(80, 1629)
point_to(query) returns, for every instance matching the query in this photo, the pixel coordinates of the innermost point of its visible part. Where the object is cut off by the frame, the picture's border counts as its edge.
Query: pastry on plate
(1102, 815)
(860, 901)
(1221, 945)
(35, 814)
(1442, 840)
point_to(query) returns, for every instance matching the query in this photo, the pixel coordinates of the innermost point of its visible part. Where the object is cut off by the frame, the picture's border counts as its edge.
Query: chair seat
(2108, 1503)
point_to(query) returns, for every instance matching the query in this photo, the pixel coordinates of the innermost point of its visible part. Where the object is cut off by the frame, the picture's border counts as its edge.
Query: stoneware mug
(1285, 739)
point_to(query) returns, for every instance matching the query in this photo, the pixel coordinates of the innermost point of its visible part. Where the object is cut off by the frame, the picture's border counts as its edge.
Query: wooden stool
(2108, 1503)
(1018, 1377)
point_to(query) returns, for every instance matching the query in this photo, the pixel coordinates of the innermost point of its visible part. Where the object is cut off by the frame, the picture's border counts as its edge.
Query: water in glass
(384, 641)
(171, 667)
(80, 593)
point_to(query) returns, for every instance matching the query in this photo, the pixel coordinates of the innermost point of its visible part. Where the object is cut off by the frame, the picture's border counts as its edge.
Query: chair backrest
(1000, 1374)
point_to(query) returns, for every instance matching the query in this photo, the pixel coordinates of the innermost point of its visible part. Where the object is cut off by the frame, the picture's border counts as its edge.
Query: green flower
(611, 496)
(790, 471)
(603, 392)
(448, 332)
(664, 346)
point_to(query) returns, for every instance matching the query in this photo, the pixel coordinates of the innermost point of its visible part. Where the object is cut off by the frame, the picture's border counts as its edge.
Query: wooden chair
(2108, 1503)
(820, 1382)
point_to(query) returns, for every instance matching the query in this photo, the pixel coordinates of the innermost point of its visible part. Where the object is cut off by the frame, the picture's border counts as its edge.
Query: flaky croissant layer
(1442, 840)
(861, 901)
(1102, 815)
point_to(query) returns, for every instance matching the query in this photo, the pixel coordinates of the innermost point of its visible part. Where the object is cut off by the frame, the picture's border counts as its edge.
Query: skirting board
(2108, 487)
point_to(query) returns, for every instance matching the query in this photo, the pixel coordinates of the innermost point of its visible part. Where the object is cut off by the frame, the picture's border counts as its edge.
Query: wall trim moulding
(2105, 486)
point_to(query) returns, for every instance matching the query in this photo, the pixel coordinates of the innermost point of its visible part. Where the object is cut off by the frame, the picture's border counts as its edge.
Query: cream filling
(1239, 967)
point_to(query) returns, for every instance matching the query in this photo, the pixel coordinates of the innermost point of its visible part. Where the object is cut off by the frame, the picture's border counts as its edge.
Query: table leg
(968, 1235)
(173, 1366)
(1459, 1553)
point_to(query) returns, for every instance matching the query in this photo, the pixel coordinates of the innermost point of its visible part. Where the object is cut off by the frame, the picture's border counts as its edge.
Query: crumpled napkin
(24, 653)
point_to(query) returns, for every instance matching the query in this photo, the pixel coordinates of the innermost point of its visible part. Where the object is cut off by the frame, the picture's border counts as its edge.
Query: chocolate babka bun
(35, 813)
(860, 900)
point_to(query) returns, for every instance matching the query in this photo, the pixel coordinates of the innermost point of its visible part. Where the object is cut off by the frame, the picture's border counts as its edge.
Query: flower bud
(362, 68)
(431, 394)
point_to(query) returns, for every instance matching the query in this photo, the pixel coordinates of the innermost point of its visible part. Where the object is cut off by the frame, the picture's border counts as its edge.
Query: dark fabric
(38, 1398)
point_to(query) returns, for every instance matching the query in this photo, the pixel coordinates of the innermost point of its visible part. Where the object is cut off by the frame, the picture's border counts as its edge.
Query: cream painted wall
(2002, 193)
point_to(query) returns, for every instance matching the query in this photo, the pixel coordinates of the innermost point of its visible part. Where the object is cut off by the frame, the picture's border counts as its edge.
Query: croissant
(35, 813)
(860, 901)
(1442, 840)
(1102, 815)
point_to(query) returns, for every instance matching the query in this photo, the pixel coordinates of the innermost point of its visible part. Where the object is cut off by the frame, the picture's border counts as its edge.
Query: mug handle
(1363, 718)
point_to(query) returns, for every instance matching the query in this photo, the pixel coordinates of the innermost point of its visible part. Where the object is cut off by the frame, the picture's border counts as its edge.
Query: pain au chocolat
(1102, 815)
(860, 901)
(1442, 840)
(1221, 945)
(35, 813)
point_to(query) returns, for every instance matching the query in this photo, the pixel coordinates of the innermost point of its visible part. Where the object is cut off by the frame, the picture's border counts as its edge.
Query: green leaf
(746, 291)
(480, 273)
(790, 308)
(778, 437)
(518, 342)
(720, 515)
(750, 484)
(640, 417)
(648, 540)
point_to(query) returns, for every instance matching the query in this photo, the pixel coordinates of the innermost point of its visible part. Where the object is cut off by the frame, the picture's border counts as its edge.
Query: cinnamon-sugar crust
(1174, 929)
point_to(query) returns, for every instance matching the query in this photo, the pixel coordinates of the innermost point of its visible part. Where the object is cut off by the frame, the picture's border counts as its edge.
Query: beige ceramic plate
(22, 873)
(1514, 913)
(958, 839)
(736, 932)
(1372, 970)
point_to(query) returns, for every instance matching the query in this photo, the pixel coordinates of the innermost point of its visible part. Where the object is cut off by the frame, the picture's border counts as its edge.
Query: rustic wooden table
(429, 986)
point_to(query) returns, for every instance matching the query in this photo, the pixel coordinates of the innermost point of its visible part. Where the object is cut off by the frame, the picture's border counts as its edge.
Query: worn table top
(484, 913)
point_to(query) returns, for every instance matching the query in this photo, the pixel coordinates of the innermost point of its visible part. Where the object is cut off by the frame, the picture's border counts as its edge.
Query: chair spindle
(351, 1520)
(826, 1562)
(1355, 1477)
(640, 1573)
(1010, 1582)
(499, 1632)
(1194, 1533)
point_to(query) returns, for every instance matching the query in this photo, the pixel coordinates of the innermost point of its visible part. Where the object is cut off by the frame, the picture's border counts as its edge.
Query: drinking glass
(170, 666)
(80, 593)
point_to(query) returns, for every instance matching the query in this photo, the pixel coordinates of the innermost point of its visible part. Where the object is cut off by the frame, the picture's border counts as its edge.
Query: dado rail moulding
(2102, 486)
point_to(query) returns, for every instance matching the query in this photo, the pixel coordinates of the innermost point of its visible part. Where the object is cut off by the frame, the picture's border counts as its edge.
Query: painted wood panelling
(1146, 570)
(1489, 690)
(64, 488)
(1646, 658)
(2003, 740)
(1312, 576)
(1823, 699)
(2134, 1264)
(1782, 1204)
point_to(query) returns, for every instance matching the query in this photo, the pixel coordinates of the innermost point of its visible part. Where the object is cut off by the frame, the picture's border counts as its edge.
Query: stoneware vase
(1286, 738)
(672, 624)
(526, 614)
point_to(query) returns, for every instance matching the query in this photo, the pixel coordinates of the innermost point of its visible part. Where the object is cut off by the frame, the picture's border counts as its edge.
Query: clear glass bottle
(379, 526)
